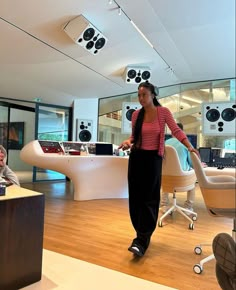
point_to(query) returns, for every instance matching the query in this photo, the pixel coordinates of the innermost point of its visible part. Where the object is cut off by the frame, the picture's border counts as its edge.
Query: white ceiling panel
(192, 41)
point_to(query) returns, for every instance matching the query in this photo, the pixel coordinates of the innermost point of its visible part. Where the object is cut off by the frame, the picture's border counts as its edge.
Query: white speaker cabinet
(84, 33)
(84, 130)
(136, 75)
(127, 110)
(218, 119)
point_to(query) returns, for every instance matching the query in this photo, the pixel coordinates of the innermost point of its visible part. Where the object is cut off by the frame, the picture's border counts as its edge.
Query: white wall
(85, 109)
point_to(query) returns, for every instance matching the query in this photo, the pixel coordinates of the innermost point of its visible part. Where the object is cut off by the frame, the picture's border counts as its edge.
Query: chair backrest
(197, 165)
(173, 177)
(171, 164)
(218, 191)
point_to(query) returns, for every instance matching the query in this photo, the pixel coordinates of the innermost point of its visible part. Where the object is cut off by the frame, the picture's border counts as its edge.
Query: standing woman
(145, 163)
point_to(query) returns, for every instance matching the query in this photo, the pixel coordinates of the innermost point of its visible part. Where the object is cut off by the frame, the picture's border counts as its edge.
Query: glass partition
(52, 124)
(185, 102)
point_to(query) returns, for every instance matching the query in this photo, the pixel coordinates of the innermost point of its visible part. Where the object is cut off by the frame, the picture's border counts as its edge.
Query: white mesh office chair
(174, 179)
(219, 196)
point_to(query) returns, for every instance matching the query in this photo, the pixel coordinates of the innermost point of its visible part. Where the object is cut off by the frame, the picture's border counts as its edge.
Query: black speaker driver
(129, 114)
(88, 34)
(85, 136)
(228, 114)
(90, 45)
(100, 43)
(138, 80)
(213, 115)
(82, 127)
(131, 74)
(146, 75)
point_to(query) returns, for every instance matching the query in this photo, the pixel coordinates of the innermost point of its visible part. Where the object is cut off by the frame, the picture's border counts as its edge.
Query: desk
(93, 177)
(21, 238)
(213, 171)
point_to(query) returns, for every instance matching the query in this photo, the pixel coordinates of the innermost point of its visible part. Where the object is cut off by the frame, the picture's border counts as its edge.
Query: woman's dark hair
(153, 89)
(139, 122)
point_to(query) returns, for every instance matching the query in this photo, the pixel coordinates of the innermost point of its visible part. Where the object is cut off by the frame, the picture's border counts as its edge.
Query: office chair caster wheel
(194, 218)
(191, 226)
(198, 250)
(197, 268)
(160, 224)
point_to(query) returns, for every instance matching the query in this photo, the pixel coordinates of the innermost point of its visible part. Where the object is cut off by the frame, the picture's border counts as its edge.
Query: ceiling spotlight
(110, 2)
(119, 11)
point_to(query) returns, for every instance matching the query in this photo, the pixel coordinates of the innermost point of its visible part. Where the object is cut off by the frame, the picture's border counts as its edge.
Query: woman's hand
(191, 149)
(125, 145)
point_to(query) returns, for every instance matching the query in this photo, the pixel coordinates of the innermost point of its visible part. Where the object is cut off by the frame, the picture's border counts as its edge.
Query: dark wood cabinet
(21, 238)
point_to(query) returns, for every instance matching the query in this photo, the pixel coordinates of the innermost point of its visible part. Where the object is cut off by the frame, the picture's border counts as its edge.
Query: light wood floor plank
(99, 232)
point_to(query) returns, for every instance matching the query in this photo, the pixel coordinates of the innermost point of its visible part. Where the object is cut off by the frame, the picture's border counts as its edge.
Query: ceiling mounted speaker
(136, 75)
(218, 119)
(82, 32)
(127, 111)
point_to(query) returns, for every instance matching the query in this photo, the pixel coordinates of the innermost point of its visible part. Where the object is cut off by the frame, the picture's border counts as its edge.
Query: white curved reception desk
(93, 177)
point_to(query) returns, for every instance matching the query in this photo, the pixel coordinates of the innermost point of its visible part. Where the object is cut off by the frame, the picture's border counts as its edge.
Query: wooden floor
(99, 232)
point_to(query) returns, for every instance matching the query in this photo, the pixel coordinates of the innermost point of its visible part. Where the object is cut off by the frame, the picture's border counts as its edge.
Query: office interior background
(53, 78)
(50, 80)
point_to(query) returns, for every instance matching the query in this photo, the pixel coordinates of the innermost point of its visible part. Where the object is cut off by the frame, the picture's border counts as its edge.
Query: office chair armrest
(221, 179)
(221, 182)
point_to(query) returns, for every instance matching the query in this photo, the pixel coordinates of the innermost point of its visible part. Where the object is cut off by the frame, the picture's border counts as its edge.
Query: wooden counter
(21, 237)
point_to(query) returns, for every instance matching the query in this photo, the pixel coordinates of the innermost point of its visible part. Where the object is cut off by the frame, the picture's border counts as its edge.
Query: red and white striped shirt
(153, 133)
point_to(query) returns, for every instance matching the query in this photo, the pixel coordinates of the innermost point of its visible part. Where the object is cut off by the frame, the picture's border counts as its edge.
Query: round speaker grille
(85, 136)
(146, 75)
(100, 43)
(129, 114)
(131, 74)
(88, 34)
(90, 45)
(138, 79)
(228, 114)
(213, 115)
(82, 127)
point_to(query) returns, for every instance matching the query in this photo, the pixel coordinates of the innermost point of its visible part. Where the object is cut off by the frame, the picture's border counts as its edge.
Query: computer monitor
(230, 155)
(205, 154)
(215, 152)
(104, 149)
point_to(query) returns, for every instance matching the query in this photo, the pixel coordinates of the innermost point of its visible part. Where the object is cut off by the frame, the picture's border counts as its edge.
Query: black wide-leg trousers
(144, 182)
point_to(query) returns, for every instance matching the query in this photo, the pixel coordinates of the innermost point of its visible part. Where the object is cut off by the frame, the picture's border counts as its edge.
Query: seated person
(186, 164)
(5, 172)
(224, 249)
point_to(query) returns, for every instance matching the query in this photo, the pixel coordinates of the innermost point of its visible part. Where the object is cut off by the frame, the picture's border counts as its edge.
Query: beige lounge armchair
(174, 179)
(219, 196)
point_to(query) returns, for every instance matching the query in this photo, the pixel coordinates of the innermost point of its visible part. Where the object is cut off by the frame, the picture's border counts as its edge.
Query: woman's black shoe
(136, 250)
